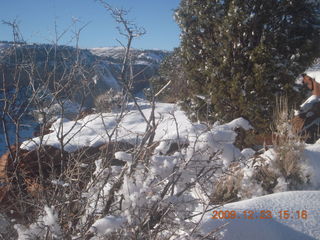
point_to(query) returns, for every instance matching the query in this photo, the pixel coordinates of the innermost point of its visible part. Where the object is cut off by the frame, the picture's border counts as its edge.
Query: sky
(37, 20)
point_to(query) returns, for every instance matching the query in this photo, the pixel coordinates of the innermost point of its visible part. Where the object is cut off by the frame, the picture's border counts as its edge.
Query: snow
(151, 56)
(142, 62)
(248, 153)
(107, 225)
(106, 51)
(140, 57)
(236, 123)
(172, 126)
(123, 156)
(95, 199)
(93, 130)
(51, 220)
(204, 147)
(60, 183)
(315, 74)
(54, 111)
(104, 74)
(307, 105)
(275, 228)
(312, 166)
(38, 230)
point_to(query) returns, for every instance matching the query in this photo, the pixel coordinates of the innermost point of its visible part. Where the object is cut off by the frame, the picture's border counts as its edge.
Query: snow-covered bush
(155, 196)
(46, 227)
(152, 191)
(158, 187)
(281, 168)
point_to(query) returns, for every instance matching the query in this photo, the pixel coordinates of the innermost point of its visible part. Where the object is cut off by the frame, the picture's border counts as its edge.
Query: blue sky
(37, 20)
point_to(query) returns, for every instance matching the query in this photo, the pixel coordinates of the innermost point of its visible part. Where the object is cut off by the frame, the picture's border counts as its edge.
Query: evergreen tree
(241, 54)
(171, 81)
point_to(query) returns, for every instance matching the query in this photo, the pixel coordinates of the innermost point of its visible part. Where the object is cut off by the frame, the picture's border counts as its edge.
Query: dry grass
(288, 144)
(228, 186)
(265, 175)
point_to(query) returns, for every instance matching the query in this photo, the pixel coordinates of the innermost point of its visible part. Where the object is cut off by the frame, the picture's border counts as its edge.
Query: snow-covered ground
(303, 207)
(172, 125)
(93, 130)
(294, 215)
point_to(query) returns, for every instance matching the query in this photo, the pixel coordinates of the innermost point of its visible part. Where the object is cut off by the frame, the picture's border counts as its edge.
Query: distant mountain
(143, 57)
(145, 63)
(100, 67)
(65, 73)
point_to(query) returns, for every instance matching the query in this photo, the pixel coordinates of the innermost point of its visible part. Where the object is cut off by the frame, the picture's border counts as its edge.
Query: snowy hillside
(101, 64)
(100, 71)
(3, 46)
(140, 57)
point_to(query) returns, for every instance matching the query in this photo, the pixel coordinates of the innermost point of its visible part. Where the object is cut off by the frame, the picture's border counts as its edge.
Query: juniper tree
(170, 83)
(240, 54)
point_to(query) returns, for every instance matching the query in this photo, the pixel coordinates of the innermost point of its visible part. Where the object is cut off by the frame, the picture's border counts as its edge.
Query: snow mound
(107, 225)
(173, 126)
(93, 130)
(312, 166)
(297, 226)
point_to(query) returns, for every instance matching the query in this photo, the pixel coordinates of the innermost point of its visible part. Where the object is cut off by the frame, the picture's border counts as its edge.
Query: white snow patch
(307, 105)
(93, 130)
(123, 156)
(312, 164)
(294, 228)
(38, 230)
(315, 74)
(107, 225)
(248, 153)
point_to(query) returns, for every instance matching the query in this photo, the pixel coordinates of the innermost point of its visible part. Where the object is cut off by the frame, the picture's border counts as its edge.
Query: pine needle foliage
(241, 54)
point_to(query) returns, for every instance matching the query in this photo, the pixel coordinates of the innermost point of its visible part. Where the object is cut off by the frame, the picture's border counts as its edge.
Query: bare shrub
(279, 168)
(109, 101)
(228, 186)
(120, 191)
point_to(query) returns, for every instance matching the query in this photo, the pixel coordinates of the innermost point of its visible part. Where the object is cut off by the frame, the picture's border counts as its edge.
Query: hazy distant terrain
(101, 65)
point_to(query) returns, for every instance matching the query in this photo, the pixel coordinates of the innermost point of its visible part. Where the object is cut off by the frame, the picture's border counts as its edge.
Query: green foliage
(241, 54)
(171, 70)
